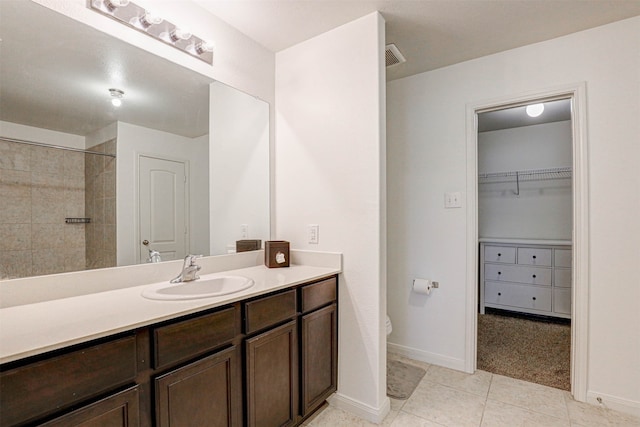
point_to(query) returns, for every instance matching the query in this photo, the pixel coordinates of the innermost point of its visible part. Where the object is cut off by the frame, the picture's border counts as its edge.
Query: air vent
(393, 56)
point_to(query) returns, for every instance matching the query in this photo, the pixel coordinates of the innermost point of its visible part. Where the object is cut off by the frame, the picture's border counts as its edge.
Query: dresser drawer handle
(534, 298)
(499, 254)
(534, 276)
(499, 273)
(534, 257)
(499, 293)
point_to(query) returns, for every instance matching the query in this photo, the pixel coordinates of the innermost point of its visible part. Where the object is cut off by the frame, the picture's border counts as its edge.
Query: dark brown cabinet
(319, 353)
(267, 361)
(207, 392)
(272, 380)
(118, 410)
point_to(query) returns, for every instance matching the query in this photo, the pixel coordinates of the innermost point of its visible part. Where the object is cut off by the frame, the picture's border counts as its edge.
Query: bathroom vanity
(264, 357)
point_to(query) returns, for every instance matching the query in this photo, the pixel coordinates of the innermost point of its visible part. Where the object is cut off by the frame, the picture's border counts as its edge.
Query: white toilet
(389, 327)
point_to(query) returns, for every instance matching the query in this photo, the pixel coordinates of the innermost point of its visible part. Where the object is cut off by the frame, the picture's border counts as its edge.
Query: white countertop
(31, 329)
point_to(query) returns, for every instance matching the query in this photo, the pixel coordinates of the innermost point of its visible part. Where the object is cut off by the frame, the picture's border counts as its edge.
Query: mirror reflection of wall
(55, 90)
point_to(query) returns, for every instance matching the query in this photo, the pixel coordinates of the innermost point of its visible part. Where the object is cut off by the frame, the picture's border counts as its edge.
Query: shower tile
(109, 238)
(48, 261)
(74, 235)
(74, 259)
(47, 186)
(15, 210)
(15, 183)
(109, 184)
(73, 164)
(47, 236)
(15, 156)
(110, 211)
(47, 160)
(15, 237)
(15, 264)
(46, 210)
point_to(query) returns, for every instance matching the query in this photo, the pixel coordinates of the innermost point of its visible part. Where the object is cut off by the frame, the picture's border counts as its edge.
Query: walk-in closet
(525, 242)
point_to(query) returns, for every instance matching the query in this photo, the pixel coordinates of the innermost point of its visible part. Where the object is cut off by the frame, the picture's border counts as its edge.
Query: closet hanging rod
(42, 144)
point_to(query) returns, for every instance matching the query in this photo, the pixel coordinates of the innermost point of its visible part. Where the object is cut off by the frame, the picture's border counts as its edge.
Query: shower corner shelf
(525, 175)
(77, 220)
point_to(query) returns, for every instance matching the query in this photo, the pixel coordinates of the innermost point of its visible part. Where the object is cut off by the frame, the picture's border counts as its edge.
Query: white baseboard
(428, 357)
(374, 415)
(616, 403)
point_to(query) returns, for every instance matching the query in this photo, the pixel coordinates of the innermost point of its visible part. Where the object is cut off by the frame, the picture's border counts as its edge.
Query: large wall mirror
(181, 166)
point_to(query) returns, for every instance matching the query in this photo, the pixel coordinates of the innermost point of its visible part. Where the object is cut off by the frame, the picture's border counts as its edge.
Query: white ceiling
(430, 33)
(554, 111)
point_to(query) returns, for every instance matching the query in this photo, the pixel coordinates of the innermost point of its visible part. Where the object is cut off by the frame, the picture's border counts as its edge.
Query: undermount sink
(205, 287)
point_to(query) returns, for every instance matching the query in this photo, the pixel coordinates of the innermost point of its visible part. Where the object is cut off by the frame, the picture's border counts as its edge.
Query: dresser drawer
(562, 258)
(264, 312)
(504, 254)
(512, 295)
(41, 388)
(562, 277)
(318, 294)
(186, 339)
(518, 273)
(534, 256)
(562, 301)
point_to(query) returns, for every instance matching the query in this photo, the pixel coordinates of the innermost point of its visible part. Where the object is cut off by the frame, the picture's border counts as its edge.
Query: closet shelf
(524, 175)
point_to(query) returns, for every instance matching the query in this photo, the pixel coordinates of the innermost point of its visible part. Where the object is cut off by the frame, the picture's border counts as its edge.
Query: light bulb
(116, 102)
(203, 47)
(116, 97)
(112, 5)
(534, 110)
(149, 19)
(179, 34)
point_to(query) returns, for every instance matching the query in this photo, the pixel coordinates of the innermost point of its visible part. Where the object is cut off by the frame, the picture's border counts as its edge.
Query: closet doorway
(576, 93)
(525, 242)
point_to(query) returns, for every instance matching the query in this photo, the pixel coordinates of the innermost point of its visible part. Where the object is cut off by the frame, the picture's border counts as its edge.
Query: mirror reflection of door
(162, 207)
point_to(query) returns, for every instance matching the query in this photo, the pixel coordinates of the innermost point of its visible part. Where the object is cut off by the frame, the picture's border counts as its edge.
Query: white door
(163, 208)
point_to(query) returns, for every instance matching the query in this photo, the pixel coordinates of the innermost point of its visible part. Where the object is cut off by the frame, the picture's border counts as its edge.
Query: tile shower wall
(100, 206)
(39, 188)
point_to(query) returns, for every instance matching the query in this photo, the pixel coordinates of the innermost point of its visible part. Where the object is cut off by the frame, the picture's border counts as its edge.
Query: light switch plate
(452, 200)
(244, 231)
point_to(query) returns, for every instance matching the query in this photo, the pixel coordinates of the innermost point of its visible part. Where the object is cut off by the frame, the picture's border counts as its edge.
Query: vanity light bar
(134, 16)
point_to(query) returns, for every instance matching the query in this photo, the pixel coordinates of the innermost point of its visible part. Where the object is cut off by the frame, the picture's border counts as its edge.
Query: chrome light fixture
(116, 97)
(130, 14)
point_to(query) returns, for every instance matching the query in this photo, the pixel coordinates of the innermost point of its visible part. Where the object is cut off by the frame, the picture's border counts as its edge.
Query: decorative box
(248, 245)
(276, 253)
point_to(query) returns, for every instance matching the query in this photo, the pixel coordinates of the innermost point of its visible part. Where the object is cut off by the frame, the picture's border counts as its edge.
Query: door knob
(145, 242)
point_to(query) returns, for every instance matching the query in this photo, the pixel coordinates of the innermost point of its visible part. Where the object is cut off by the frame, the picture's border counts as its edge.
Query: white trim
(362, 410)
(580, 285)
(631, 407)
(428, 357)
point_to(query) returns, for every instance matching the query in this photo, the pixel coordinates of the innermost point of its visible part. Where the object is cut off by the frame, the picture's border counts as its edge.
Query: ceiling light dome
(534, 110)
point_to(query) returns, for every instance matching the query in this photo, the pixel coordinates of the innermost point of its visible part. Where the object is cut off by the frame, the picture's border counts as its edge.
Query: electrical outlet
(313, 229)
(244, 231)
(452, 200)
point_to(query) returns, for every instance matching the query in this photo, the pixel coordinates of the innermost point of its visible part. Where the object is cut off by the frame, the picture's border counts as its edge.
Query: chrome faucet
(189, 270)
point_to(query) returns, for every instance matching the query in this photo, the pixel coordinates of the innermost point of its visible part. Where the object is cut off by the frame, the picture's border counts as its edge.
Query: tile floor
(450, 398)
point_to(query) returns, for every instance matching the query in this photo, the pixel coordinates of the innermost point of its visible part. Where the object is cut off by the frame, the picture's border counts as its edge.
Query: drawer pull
(534, 298)
(499, 254)
(499, 273)
(534, 276)
(499, 293)
(534, 257)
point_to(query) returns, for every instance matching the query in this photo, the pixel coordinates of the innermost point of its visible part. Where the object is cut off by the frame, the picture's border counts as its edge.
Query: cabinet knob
(499, 293)
(499, 273)
(534, 298)
(499, 254)
(534, 276)
(534, 257)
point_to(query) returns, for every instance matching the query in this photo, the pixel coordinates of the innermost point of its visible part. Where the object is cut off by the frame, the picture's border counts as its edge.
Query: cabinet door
(319, 357)
(207, 392)
(119, 410)
(272, 365)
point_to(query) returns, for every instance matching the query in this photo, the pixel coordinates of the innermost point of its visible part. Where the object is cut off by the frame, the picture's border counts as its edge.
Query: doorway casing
(580, 233)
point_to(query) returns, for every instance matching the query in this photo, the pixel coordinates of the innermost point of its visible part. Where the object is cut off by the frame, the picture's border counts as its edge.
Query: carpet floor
(530, 350)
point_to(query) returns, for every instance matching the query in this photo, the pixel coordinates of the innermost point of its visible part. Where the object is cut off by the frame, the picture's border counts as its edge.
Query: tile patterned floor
(450, 398)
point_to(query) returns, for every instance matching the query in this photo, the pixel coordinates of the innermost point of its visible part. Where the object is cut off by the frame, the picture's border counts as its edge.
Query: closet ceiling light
(534, 110)
(116, 97)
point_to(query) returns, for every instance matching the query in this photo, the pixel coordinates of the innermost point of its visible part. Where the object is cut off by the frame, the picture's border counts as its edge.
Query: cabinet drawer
(562, 301)
(268, 311)
(41, 388)
(518, 273)
(521, 296)
(500, 254)
(562, 258)
(183, 340)
(534, 256)
(563, 277)
(318, 294)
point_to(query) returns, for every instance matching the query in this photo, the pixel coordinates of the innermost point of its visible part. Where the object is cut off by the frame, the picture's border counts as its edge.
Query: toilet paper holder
(424, 286)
